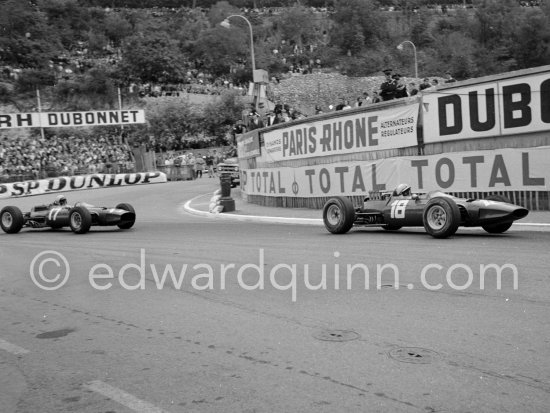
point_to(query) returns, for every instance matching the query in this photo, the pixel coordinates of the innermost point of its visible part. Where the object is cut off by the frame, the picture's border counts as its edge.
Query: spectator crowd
(28, 158)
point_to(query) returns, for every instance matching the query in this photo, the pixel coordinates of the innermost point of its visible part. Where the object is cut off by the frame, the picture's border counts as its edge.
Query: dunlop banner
(506, 107)
(366, 131)
(66, 119)
(73, 183)
(498, 170)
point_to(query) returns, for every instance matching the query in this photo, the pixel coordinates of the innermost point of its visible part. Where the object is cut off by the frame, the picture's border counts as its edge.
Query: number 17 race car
(440, 214)
(79, 217)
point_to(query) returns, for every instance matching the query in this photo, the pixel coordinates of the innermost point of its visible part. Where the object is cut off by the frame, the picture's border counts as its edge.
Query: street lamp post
(225, 23)
(400, 47)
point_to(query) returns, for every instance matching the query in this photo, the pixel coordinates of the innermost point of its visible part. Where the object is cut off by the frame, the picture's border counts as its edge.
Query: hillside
(304, 92)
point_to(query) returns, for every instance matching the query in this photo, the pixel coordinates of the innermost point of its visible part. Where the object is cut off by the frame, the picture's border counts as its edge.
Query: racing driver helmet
(60, 200)
(402, 190)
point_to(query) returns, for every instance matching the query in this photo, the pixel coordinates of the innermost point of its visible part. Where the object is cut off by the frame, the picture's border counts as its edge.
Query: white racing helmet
(60, 200)
(402, 190)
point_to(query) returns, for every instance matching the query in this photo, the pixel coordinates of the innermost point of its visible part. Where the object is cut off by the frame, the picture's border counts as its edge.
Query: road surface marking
(12, 348)
(121, 397)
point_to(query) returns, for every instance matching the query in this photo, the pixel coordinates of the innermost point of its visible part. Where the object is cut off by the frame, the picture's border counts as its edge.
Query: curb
(248, 218)
(305, 221)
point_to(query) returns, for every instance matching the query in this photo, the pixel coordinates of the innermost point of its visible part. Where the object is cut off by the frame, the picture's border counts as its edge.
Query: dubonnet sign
(506, 107)
(66, 119)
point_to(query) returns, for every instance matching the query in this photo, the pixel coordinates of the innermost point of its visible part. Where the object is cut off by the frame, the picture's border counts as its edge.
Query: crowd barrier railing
(178, 173)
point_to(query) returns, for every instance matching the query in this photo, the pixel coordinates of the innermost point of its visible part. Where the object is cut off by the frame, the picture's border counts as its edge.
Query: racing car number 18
(398, 208)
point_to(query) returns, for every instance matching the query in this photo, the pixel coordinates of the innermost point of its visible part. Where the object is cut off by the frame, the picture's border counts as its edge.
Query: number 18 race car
(439, 213)
(79, 217)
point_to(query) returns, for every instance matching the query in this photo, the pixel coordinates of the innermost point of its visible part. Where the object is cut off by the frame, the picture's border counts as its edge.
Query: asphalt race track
(213, 341)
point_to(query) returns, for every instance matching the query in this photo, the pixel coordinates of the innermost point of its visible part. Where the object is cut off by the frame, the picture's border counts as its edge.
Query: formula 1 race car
(79, 217)
(439, 213)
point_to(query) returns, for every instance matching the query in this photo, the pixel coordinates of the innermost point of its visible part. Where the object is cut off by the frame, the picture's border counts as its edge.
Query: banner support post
(39, 104)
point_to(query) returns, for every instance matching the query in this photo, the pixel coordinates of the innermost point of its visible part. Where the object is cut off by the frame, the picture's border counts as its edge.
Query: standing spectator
(400, 87)
(449, 77)
(341, 105)
(376, 97)
(388, 87)
(191, 161)
(425, 84)
(367, 100)
(359, 102)
(210, 164)
(199, 166)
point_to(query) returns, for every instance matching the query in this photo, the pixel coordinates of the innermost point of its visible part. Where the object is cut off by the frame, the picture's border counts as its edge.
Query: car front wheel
(338, 215)
(80, 220)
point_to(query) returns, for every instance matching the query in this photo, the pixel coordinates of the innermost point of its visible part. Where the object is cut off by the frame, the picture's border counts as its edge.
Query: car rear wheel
(338, 215)
(129, 208)
(80, 220)
(11, 219)
(441, 217)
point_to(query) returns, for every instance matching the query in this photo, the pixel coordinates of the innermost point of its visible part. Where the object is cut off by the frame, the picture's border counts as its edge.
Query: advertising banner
(248, 145)
(358, 132)
(506, 107)
(498, 170)
(66, 119)
(73, 183)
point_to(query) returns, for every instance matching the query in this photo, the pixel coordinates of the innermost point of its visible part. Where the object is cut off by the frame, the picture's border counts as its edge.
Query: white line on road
(12, 348)
(120, 396)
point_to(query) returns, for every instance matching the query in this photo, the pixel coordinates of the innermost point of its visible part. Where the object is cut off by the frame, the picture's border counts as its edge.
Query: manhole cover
(416, 355)
(336, 335)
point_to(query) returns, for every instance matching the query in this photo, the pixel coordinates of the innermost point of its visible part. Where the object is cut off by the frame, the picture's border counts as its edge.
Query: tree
(361, 15)
(173, 120)
(26, 39)
(152, 58)
(530, 46)
(91, 91)
(220, 49)
(221, 115)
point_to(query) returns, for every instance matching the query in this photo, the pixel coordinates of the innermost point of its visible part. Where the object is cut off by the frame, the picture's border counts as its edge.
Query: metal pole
(39, 105)
(251, 39)
(120, 109)
(400, 47)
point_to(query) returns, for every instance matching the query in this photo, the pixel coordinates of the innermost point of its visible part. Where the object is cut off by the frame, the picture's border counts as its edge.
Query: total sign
(498, 170)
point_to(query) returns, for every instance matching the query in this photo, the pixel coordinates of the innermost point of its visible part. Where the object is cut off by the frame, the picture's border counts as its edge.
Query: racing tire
(501, 227)
(11, 219)
(338, 215)
(80, 220)
(441, 217)
(389, 227)
(129, 208)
